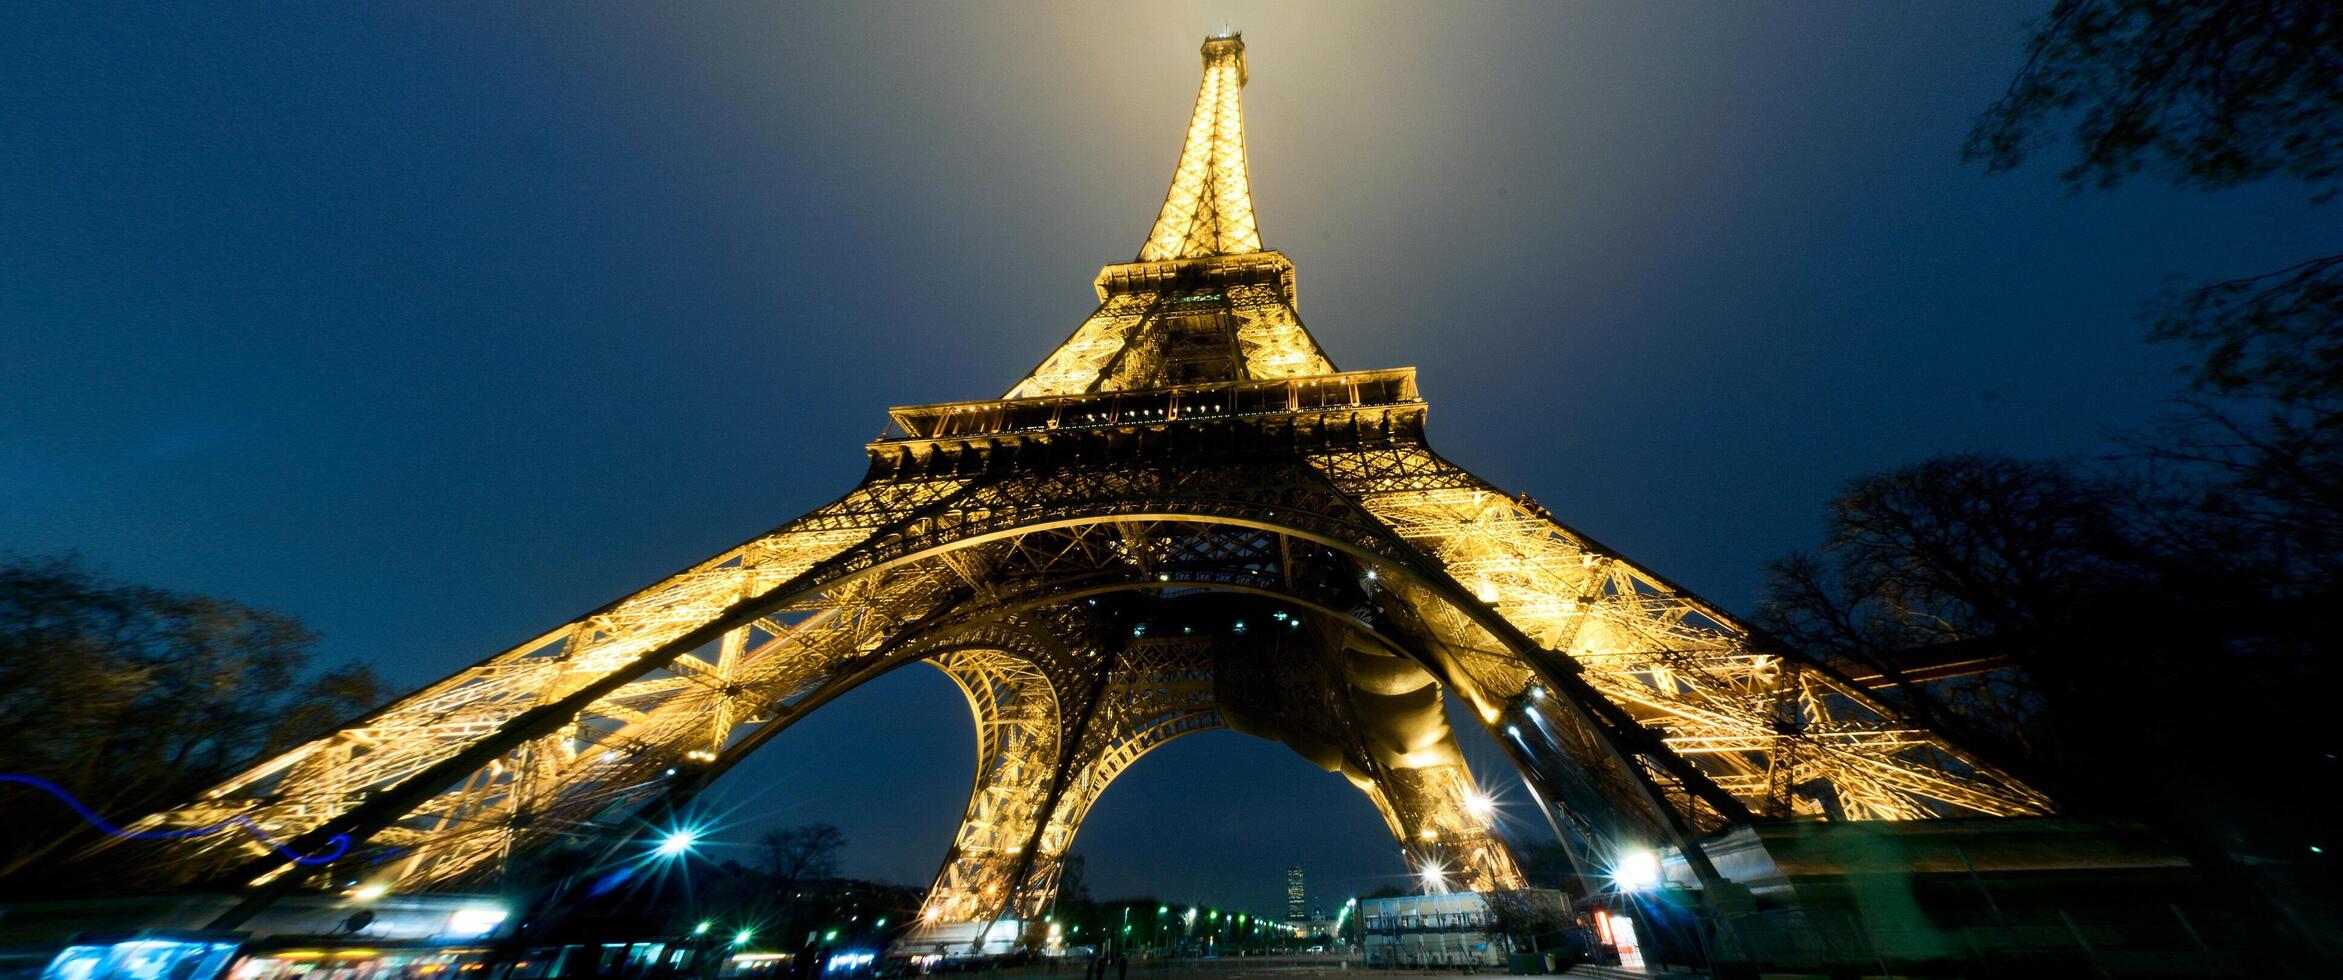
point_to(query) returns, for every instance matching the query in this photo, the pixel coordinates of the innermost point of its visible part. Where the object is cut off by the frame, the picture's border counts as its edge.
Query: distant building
(1296, 904)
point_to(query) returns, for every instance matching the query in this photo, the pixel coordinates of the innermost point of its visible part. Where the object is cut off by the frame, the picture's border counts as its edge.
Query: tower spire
(1210, 209)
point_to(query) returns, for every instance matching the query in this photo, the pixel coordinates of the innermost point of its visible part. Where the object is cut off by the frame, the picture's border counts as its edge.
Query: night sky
(436, 325)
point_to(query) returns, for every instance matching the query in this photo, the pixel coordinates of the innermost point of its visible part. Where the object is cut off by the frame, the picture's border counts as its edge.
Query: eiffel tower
(1184, 519)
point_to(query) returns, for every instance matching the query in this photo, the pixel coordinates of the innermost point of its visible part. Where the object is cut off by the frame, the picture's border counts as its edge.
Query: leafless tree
(796, 856)
(2213, 93)
(132, 698)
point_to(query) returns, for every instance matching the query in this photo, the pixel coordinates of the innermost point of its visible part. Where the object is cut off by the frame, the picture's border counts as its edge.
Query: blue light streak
(338, 844)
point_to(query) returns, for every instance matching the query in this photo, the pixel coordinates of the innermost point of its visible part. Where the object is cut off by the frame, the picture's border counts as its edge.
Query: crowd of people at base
(1099, 963)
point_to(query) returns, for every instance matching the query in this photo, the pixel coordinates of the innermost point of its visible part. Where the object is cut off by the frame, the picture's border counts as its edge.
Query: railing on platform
(1348, 390)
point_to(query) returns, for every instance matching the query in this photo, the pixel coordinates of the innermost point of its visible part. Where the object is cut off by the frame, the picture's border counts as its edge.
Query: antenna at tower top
(1209, 210)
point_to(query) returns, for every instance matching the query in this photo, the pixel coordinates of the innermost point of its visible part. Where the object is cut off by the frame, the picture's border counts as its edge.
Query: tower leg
(1053, 734)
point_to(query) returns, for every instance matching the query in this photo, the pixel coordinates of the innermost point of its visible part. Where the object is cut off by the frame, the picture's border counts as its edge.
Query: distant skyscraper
(1296, 909)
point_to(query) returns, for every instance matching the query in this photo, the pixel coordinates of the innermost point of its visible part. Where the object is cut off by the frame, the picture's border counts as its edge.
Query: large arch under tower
(1054, 733)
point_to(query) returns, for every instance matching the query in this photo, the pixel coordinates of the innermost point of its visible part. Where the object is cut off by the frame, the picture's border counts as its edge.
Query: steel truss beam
(960, 552)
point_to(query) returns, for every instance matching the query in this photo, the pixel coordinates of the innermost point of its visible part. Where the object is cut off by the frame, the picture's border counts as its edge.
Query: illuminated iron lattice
(1188, 460)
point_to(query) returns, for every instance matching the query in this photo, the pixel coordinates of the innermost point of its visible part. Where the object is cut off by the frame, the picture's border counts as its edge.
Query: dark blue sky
(434, 325)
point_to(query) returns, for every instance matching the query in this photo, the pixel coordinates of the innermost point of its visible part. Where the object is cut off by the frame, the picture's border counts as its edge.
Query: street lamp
(1636, 870)
(678, 842)
(1479, 805)
(475, 920)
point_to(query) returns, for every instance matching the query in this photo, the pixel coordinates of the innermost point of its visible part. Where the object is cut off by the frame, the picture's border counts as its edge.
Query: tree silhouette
(1954, 550)
(2263, 419)
(797, 856)
(133, 698)
(2116, 651)
(2213, 94)
(1536, 920)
